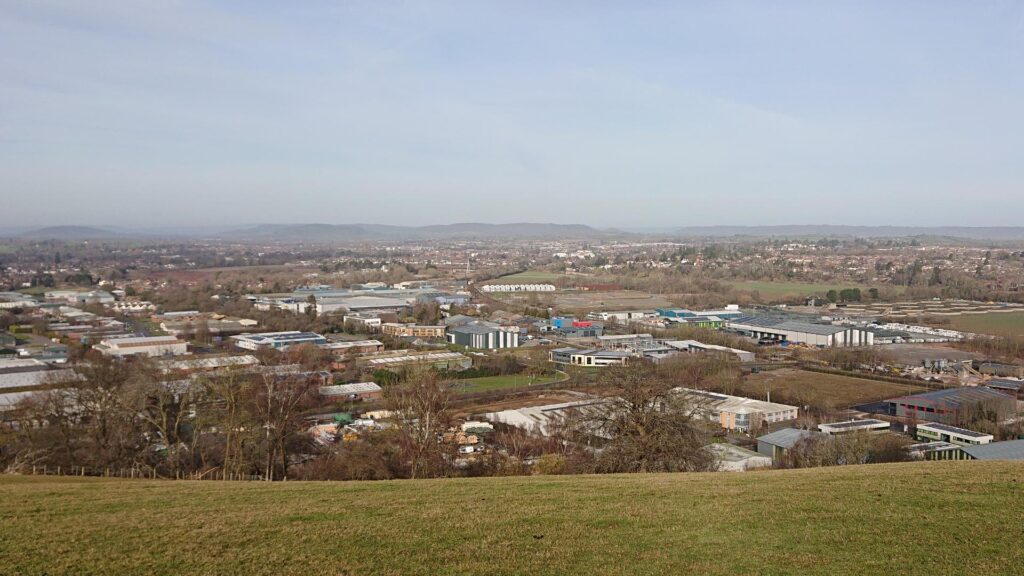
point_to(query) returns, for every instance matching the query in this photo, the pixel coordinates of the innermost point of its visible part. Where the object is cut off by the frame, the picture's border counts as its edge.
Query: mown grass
(488, 383)
(927, 518)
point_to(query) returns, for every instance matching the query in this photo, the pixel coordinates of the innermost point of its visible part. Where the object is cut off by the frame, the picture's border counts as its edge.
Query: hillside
(833, 231)
(367, 232)
(69, 233)
(926, 518)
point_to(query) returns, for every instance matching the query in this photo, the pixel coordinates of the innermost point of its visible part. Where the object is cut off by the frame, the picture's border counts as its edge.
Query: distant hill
(364, 232)
(928, 518)
(829, 231)
(69, 233)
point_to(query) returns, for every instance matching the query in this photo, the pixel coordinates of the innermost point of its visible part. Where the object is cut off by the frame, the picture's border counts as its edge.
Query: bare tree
(422, 404)
(648, 426)
(277, 403)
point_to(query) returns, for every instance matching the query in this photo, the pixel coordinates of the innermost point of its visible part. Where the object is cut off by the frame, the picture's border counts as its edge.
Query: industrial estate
(545, 288)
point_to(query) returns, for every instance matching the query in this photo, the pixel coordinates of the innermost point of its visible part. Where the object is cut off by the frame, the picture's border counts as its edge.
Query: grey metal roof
(953, 429)
(954, 397)
(772, 323)
(787, 437)
(474, 329)
(856, 423)
(1005, 384)
(1009, 450)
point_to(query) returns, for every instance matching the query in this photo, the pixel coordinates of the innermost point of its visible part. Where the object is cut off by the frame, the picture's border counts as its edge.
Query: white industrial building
(938, 432)
(542, 419)
(694, 346)
(736, 412)
(623, 316)
(11, 300)
(869, 425)
(732, 458)
(518, 288)
(143, 346)
(782, 330)
(277, 340)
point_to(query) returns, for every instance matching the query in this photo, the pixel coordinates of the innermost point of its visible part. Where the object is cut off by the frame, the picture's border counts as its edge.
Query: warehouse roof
(736, 404)
(775, 323)
(347, 389)
(953, 430)
(787, 437)
(953, 397)
(475, 328)
(279, 336)
(853, 425)
(1005, 384)
(1009, 450)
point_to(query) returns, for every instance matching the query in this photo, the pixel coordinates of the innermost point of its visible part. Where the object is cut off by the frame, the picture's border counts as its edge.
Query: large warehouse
(783, 330)
(951, 404)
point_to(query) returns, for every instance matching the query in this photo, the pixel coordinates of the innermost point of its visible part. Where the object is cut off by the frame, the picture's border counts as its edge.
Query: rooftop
(1009, 450)
(854, 424)
(954, 397)
(953, 430)
(787, 437)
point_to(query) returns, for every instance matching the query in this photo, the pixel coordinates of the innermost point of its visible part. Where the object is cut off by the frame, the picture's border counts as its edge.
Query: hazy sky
(606, 113)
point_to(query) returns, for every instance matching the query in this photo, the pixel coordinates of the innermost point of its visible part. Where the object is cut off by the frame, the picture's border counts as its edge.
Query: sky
(613, 114)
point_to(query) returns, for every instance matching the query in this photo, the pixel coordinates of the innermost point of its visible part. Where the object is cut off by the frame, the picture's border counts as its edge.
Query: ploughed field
(922, 518)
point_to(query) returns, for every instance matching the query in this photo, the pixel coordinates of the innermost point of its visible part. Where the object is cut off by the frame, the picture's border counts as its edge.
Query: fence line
(213, 474)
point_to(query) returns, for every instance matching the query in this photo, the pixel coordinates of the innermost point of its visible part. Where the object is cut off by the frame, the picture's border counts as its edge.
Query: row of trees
(132, 415)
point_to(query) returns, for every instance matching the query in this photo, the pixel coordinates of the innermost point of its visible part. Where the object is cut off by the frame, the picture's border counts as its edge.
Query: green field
(997, 324)
(790, 290)
(929, 518)
(488, 383)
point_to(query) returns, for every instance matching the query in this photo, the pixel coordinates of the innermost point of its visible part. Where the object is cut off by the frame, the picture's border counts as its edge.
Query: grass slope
(926, 518)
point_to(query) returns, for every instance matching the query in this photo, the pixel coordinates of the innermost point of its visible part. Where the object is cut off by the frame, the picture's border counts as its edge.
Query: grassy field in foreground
(926, 518)
(997, 324)
(488, 383)
(823, 391)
